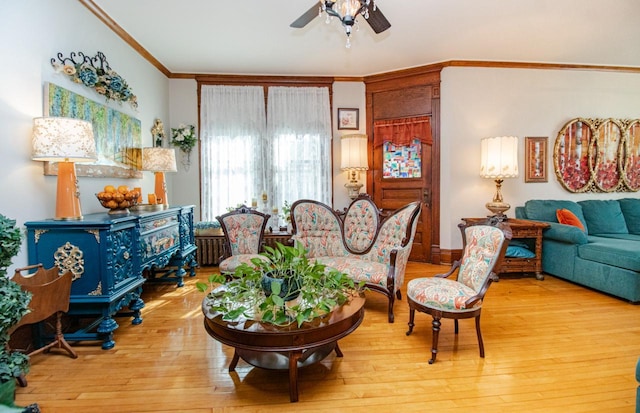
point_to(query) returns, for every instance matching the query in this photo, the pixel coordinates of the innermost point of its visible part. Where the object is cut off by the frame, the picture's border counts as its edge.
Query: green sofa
(604, 256)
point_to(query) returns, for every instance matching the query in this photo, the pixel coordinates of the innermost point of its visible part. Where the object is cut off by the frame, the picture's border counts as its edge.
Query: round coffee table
(285, 347)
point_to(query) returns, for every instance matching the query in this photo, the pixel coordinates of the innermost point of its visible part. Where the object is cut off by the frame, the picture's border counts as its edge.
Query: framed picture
(535, 159)
(118, 135)
(348, 118)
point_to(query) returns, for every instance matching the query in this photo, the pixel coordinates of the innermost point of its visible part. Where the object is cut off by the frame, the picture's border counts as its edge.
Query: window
(288, 155)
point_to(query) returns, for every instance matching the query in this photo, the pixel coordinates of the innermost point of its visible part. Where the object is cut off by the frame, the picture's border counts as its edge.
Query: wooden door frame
(405, 79)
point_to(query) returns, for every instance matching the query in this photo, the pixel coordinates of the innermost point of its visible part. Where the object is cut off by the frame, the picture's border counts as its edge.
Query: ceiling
(254, 37)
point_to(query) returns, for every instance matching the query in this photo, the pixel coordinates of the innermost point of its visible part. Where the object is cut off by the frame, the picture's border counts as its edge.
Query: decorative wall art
(118, 135)
(598, 155)
(535, 159)
(348, 118)
(402, 161)
(95, 73)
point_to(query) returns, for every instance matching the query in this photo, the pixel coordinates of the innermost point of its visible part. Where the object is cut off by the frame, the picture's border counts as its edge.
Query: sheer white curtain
(232, 131)
(299, 144)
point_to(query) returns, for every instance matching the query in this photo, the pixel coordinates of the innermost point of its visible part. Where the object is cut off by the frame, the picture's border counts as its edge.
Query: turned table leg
(293, 375)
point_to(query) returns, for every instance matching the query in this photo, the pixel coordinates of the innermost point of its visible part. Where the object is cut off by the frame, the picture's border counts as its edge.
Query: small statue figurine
(157, 131)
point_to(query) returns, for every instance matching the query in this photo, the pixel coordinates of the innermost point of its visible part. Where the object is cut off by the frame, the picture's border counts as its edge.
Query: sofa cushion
(565, 233)
(631, 210)
(568, 218)
(513, 251)
(615, 252)
(632, 237)
(603, 217)
(519, 249)
(358, 269)
(545, 210)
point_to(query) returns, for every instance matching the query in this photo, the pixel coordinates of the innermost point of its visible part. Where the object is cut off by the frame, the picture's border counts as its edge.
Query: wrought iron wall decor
(598, 155)
(95, 73)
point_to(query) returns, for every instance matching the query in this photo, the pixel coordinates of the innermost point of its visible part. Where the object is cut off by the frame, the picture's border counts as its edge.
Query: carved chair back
(483, 247)
(243, 230)
(318, 228)
(361, 222)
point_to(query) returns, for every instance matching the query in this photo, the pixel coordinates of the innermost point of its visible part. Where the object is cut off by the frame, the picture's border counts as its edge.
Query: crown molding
(109, 22)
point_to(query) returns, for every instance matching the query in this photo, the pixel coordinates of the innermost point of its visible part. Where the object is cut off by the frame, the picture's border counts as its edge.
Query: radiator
(210, 249)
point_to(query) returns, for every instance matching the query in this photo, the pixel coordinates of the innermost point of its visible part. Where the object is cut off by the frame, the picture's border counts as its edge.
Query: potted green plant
(282, 287)
(14, 304)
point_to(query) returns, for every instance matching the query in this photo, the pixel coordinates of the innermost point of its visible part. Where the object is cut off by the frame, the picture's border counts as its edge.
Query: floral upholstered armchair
(484, 245)
(359, 241)
(243, 230)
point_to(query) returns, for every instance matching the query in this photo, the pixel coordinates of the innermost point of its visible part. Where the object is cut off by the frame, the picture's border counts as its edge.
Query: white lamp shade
(159, 159)
(499, 157)
(354, 152)
(63, 139)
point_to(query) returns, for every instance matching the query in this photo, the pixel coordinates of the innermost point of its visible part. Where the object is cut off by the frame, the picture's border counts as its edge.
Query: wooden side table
(522, 229)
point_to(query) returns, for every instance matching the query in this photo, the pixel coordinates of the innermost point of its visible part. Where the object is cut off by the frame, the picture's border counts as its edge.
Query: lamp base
(161, 189)
(353, 186)
(353, 189)
(498, 206)
(68, 195)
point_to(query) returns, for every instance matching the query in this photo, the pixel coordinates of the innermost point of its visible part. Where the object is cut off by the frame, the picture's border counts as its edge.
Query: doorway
(416, 95)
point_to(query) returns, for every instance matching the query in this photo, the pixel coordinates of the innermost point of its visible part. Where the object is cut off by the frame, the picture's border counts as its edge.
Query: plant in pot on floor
(282, 287)
(14, 304)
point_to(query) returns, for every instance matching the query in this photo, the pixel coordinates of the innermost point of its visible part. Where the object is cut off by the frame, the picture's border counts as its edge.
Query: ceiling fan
(346, 11)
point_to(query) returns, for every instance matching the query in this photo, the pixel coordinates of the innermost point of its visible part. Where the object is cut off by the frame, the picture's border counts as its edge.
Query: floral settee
(360, 241)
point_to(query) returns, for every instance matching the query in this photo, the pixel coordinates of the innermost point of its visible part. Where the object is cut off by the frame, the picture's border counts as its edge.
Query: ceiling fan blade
(307, 17)
(377, 21)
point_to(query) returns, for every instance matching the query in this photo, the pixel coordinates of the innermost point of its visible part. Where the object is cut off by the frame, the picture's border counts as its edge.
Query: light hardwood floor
(551, 346)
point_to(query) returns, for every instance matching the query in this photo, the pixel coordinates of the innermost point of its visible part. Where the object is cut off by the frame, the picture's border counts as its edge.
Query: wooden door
(404, 95)
(391, 193)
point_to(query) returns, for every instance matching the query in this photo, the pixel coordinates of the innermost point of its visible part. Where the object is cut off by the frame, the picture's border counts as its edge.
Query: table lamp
(159, 160)
(66, 141)
(354, 160)
(499, 160)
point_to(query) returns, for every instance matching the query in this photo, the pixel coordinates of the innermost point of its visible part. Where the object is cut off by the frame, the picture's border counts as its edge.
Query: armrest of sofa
(565, 233)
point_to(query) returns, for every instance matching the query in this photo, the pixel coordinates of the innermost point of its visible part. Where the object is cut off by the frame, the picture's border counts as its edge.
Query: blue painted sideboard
(110, 258)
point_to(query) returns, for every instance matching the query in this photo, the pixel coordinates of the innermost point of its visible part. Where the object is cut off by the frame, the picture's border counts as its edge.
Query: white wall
(33, 32)
(346, 95)
(184, 186)
(485, 102)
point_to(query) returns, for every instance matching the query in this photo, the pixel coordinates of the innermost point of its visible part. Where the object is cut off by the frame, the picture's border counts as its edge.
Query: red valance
(402, 131)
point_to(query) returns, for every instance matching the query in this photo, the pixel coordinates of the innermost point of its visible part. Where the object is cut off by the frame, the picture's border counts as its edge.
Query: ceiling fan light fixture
(347, 12)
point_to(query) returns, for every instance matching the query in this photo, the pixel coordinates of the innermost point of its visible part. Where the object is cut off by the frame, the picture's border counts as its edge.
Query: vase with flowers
(184, 137)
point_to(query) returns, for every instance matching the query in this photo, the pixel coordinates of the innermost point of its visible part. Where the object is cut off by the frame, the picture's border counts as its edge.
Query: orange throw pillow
(569, 218)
